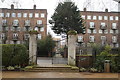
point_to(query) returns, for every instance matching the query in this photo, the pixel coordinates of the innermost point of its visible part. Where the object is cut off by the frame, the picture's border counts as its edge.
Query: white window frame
(100, 31)
(116, 18)
(103, 38)
(103, 24)
(39, 36)
(83, 16)
(13, 14)
(80, 38)
(19, 14)
(39, 22)
(114, 25)
(1, 14)
(7, 14)
(92, 38)
(4, 21)
(111, 18)
(42, 29)
(36, 15)
(30, 15)
(15, 22)
(89, 17)
(24, 15)
(94, 17)
(105, 17)
(94, 31)
(92, 24)
(88, 31)
(42, 15)
(111, 31)
(99, 17)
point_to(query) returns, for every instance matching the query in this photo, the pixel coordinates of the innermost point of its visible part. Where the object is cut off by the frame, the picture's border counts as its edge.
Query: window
(3, 36)
(7, 14)
(80, 38)
(92, 38)
(92, 24)
(105, 17)
(19, 15)
(39, 21)
(111, 31)
(42, 15)
(36, 28)
(116, 31)
(117, 45)
(106, 31)
(42, 29)
(102, 24)
(36, 15)
(1, 14)
(100, 17)
(25, 15)
(94, 17)
(114, 38)
(30, 15)
(26, 36)
(100, 31)
(103, 38)
(116, 18)
(83, 16)
(89, 31)
(15, 22)
(18, 42)
(111, 17)
(13, 14)
(39, 36)
(15, 36)
(4, 21)
(27, 22)
(114, 26)
(94, 31)
(88, 17)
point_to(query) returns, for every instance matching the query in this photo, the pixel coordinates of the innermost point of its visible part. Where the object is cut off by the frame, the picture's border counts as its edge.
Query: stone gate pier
(33, 48)
(72, 49)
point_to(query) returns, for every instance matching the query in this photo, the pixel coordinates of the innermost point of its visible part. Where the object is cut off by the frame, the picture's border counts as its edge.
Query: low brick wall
(84, 61)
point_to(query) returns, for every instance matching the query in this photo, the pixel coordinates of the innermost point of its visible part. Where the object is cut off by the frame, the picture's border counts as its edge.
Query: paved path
(57, 75)
(50, 62)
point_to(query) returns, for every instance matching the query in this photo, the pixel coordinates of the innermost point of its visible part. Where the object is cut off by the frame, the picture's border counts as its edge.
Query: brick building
(101, 28)
(16, 24)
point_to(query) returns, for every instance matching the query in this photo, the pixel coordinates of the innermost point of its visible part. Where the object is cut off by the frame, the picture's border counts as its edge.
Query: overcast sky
(50, 5)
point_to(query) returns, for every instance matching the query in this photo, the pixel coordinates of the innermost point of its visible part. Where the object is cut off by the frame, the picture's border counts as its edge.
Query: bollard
(107, 66)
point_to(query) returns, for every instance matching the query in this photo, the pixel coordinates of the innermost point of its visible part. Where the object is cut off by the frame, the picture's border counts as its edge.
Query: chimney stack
(34, 6)
(84, 9)
(12, 6)
(106, 10)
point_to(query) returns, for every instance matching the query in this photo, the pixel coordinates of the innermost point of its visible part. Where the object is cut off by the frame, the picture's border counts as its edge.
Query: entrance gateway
(58, 58)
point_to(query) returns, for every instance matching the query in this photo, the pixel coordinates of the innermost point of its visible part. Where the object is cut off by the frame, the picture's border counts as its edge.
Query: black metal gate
(59, 59)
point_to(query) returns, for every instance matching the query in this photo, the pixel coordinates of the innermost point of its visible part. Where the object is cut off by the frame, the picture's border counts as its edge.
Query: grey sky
(50, 5)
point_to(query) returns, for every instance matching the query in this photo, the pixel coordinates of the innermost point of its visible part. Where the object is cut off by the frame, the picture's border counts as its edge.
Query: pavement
(8, 74)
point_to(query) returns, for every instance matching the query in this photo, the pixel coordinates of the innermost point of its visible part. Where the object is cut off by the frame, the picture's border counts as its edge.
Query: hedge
(14, 54)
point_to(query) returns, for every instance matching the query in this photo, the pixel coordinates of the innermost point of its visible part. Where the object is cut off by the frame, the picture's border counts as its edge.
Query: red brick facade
(101, 27)
(16, 24)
